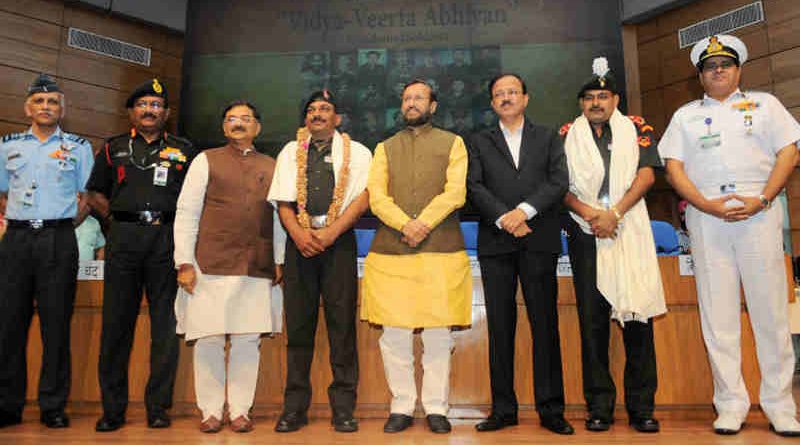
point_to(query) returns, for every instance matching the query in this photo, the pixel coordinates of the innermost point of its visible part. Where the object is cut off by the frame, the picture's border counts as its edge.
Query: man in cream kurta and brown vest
(319, 189)
(228, 251)
(611, 249)
(417, 274)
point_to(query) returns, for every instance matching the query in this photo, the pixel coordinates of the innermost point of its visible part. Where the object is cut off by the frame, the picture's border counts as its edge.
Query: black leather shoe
(345, 423)
(108, 424)
(397, 422)
(595, 423)
(645, 424)
(8, 419)
(291, 421)
(496, 422)
(54, 419)
(438, 423)
(557, 424)
(160, 420)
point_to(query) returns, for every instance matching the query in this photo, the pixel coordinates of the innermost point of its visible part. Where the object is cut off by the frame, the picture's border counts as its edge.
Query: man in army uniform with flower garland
(319, 187)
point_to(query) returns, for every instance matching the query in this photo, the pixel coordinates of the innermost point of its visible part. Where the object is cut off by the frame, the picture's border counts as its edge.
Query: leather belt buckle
(149, 217)
(318, 221)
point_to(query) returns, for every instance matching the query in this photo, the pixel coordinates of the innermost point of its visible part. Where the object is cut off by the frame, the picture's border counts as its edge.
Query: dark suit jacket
(496, 186)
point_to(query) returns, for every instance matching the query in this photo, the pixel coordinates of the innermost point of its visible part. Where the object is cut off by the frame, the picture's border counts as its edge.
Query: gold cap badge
(157, 86)
(713, 45)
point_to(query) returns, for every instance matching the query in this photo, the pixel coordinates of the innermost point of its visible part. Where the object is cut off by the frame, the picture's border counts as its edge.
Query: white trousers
(210, 374)
(397, 350)
(750, 250)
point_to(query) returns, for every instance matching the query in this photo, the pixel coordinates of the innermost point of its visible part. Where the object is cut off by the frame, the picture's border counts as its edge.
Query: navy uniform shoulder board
(13, 137)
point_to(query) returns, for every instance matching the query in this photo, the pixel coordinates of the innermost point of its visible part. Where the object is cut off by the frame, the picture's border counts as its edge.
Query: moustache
(596, 109)
(150, 115)
(237, 128)
(317, 119)
(505, 102)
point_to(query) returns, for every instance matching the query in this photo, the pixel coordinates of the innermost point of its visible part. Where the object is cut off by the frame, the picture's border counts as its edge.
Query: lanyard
(136, 164)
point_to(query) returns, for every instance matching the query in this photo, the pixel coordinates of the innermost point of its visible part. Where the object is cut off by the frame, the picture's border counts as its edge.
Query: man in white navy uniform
(730, 154)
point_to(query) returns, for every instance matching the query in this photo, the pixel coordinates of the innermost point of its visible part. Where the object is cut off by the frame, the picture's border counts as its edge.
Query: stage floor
(184, 431)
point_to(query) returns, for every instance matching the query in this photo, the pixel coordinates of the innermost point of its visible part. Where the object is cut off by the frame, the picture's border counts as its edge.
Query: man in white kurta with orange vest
(417, 274)
(228, 251)
(730, 154)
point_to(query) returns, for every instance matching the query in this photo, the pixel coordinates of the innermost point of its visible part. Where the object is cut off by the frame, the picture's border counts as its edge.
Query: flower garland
(303, 218)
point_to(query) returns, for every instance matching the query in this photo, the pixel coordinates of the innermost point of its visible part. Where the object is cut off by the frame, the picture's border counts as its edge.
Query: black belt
(38, 223)
(145, 217)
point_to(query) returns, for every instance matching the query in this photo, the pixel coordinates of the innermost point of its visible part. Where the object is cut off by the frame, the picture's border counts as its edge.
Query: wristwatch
(765, 203)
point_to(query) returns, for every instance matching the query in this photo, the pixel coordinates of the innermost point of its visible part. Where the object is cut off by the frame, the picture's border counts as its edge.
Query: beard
(422, 119)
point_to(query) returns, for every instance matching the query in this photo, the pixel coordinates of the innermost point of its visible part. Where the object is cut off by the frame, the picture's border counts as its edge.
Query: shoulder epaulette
(564, 129)
(118, 136)
(75, 138)
(179, 139)
(13, 136)
(640, 123)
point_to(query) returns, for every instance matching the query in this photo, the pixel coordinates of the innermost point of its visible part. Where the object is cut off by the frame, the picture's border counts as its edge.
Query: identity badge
(160, 176)
(710, 140)
(328, 159)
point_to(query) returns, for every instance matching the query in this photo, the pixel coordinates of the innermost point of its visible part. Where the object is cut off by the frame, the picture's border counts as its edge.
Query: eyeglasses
(243, 119)
(725, 64)
(322, 108)
(417, 98)
(506, 93)
(592, 97)
(154, 104)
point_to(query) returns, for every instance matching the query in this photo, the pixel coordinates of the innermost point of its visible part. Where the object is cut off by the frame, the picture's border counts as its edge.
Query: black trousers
(536, 272)
(138, 258)
(332, 274)
(40, 264)
(594, 315)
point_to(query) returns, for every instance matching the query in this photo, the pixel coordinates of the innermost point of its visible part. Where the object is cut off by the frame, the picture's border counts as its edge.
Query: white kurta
(284, 181)
(220, 304)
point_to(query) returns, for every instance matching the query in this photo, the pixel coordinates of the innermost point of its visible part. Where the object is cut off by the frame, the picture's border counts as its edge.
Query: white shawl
(628, 274)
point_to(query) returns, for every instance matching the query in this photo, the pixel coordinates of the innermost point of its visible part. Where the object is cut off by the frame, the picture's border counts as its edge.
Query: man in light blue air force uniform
(730, 154)
(43, 172)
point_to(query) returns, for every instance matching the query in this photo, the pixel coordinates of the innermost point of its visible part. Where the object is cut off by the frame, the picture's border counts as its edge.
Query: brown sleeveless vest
(417, 170)
(236, 224)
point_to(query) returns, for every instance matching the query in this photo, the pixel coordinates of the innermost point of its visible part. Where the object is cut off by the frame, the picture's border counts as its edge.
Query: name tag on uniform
(710, 140)
(160, 176)
(328, 159)
(28, 198)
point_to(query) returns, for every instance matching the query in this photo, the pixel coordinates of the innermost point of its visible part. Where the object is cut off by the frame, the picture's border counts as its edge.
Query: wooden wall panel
(683, 369)
(44, 10)
(32, 31)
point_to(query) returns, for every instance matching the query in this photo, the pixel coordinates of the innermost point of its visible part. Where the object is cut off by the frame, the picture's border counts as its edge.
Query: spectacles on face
(414, 98)
(501, 94)
(599, 96)
(154, 104)
(244, 119)
(322, 108)
(724, 65)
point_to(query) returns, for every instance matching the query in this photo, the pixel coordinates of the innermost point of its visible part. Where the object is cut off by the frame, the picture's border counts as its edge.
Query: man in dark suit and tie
(517, 178)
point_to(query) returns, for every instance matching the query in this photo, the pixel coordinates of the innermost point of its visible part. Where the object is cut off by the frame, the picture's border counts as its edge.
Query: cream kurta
(220, 304)
(284, 181)
(424, 289)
